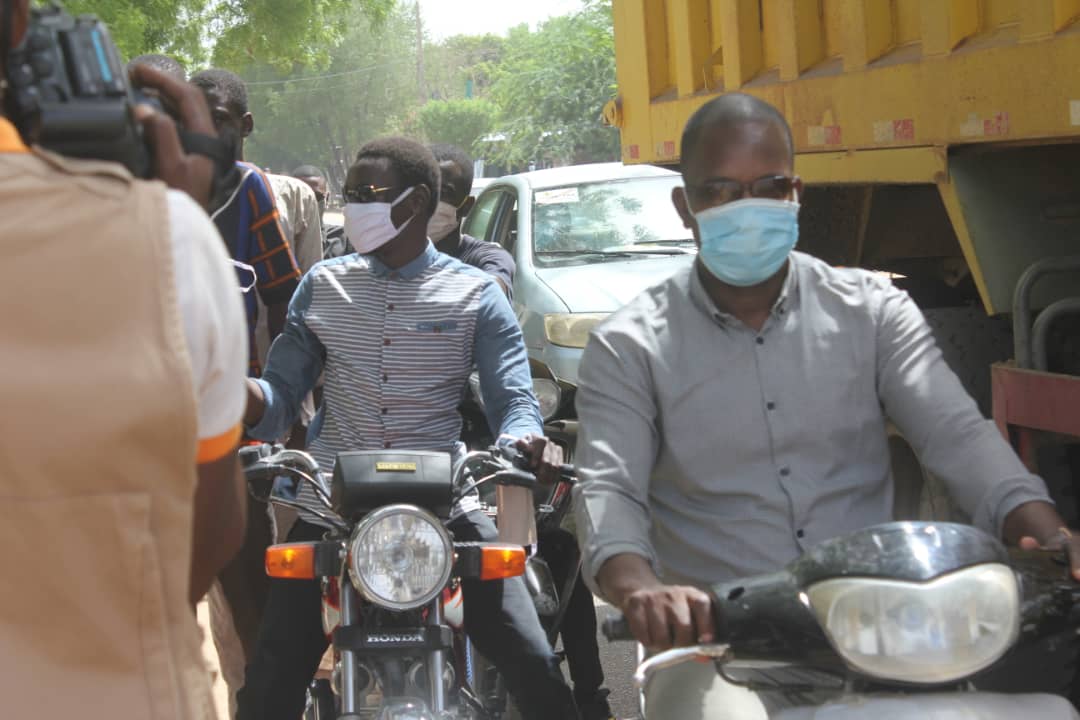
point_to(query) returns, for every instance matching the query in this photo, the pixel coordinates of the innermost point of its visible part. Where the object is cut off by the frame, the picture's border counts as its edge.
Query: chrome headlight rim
(376, 516)
(820, 599)
(549, 403)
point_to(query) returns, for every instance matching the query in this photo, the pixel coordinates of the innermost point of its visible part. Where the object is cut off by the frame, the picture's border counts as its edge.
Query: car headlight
(927, 633)
(400, 557)
(570, 329)
(549, 395)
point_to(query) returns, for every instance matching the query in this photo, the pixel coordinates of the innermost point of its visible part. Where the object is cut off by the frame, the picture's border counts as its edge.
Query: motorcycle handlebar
(567, 473)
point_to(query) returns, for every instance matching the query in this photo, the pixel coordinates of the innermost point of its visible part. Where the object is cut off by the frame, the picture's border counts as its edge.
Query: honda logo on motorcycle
(395, 638)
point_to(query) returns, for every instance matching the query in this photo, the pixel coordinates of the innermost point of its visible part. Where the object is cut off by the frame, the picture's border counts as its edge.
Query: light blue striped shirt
(397, 348)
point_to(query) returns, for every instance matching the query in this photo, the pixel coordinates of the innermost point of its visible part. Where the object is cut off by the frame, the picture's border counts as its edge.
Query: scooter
(898, 620)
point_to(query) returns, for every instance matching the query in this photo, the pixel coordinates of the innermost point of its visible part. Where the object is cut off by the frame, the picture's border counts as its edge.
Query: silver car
(586, 239)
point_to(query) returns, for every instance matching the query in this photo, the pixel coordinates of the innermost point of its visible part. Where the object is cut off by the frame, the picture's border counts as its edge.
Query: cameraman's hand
(545, 457)
(191, 173)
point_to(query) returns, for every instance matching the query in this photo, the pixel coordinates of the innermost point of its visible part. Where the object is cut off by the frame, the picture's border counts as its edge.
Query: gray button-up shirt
(719, 452)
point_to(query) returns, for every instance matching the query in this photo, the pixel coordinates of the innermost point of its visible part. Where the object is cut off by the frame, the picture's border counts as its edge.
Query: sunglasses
(718, 192)
(363, 194)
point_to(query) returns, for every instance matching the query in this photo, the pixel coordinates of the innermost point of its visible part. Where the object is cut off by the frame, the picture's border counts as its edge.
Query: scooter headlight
(400, 557)
(923, 633)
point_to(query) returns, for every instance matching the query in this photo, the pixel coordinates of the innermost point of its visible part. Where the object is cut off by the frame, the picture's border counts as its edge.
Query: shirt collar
(410, 270)
(10, 142)
(788, 300)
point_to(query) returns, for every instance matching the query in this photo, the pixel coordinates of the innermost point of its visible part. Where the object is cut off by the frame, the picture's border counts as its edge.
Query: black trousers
(560, 550)
(500, 619)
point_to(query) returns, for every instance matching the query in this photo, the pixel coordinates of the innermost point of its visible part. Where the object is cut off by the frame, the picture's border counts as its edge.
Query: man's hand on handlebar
(659, 616)
(667, 616)
(544, 458)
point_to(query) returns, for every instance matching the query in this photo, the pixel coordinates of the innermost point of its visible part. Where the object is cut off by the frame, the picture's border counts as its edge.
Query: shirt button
(386, 341)
(390, 306)
(770, 406)
(385, 410)
(761, 341)
(799, 534)
(784, 472)
(385, 378)
(388, 445)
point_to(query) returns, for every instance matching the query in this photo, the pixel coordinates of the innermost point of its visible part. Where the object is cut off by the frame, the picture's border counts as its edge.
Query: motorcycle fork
(350, 612)
(436, 661)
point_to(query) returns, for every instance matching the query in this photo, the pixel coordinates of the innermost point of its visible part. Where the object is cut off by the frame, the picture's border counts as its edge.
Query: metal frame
(1027, 402)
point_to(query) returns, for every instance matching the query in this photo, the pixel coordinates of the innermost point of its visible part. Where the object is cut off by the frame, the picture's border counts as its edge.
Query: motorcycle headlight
(570, 329)
(925, 633)
(400, 557)
(549, 395)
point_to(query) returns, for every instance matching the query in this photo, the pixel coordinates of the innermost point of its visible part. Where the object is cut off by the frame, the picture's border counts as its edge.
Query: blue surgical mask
(746, 242)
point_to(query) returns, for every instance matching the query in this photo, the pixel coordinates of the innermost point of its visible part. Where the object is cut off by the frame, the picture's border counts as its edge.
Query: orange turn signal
(501, 561)
(291, 561)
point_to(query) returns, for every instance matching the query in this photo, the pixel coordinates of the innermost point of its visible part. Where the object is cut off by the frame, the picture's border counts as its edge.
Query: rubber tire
(971, 342)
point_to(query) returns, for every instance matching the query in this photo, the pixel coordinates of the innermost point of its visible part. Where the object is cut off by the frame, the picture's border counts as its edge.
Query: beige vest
(97, 447)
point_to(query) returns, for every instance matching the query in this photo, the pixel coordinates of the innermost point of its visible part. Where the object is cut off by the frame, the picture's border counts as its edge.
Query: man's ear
(421, 200)
(466, 207)
(797, 186)
(682, 206)
(248, 124)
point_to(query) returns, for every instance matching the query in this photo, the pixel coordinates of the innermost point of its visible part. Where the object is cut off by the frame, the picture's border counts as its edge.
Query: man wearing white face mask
(455, 203)
(734, 415)
(397, 329)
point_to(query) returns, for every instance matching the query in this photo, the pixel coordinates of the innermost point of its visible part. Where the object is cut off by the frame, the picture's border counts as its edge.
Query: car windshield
(615, 219)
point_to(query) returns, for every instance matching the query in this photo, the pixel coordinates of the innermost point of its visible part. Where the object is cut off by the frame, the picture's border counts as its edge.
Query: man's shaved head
(724, 116)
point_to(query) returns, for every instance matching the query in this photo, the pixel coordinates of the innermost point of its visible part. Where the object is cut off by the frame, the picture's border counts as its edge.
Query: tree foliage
(281, 33)
(322, 117)
(458, 122)
(284, 33)
(142, 26)
(551, 87)
(461, 66)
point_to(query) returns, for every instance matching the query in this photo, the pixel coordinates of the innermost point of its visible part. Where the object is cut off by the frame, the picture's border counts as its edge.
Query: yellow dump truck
(939, 138)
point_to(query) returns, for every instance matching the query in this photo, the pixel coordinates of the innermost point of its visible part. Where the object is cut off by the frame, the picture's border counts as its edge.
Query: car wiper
(684, 241)
(565, 253)
(639, 250)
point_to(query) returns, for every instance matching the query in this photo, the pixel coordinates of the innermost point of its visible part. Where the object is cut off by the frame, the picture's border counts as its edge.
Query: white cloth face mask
(443, 222)
(369, 225)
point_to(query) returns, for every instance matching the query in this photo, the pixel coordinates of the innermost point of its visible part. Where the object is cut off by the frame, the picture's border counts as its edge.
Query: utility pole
(420, 56)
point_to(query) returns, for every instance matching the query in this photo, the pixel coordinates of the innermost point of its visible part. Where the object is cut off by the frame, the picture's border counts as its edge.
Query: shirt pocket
(431, 347)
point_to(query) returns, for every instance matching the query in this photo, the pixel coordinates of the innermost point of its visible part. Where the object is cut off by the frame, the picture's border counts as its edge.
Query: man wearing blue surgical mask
(734, 415)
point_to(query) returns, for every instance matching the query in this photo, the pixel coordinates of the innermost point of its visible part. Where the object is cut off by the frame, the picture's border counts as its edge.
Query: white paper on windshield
(558, 196)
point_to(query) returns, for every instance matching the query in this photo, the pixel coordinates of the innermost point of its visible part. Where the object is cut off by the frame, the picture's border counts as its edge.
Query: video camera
(69, 92)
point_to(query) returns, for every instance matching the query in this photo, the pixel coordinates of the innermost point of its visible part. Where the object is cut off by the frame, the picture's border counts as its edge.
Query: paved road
(619, 663)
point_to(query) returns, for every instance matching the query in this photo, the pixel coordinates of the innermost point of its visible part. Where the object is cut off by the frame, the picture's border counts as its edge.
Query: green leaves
(325, 76)
(233, 33)
(551, 88)
(458, 122)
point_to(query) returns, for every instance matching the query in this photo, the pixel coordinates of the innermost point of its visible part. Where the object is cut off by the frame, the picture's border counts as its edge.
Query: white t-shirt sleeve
(211, 307)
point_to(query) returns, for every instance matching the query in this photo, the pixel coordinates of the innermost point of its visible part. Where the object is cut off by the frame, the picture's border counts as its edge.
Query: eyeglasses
(718, 192)
(363, 193)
